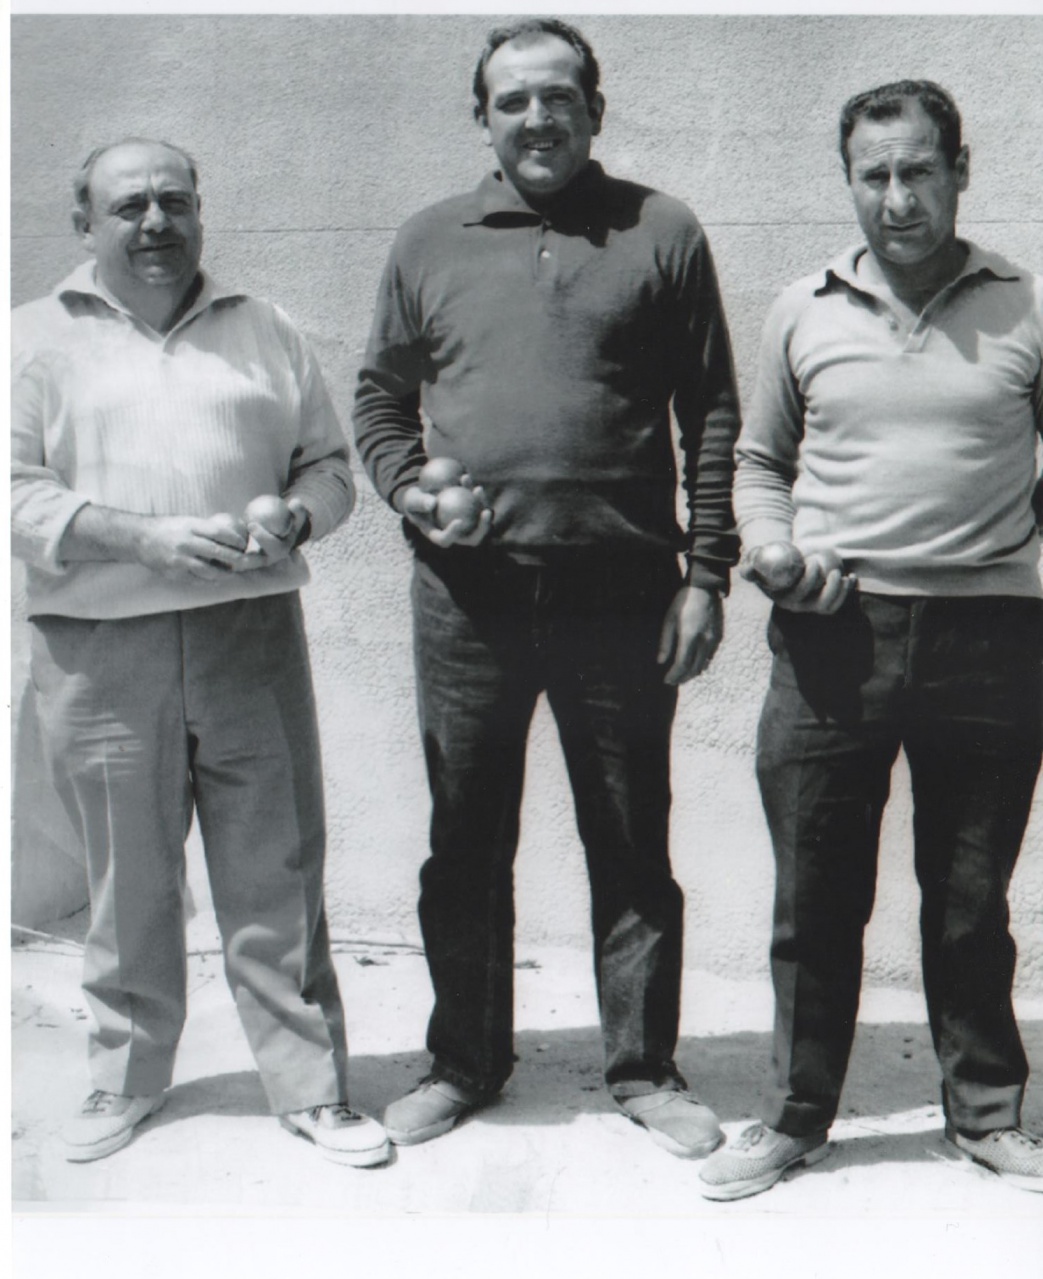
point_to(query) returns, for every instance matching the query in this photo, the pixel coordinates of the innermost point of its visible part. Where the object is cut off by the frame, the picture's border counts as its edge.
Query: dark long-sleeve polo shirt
(545, 349)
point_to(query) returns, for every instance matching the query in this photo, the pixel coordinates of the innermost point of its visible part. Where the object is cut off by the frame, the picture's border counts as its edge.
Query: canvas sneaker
(341, 1134)
(1014, 1155)
(756, 1160)
(676, 1121)
(104, 1123)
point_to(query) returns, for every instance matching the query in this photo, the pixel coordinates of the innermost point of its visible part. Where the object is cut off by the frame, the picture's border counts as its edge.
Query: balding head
(81, 183)
(139, 217)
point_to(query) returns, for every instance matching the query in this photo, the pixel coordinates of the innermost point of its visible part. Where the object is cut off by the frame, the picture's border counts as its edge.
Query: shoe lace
(751, 1137)
(1018, 1136)
(98, 1101)
(339, 1110)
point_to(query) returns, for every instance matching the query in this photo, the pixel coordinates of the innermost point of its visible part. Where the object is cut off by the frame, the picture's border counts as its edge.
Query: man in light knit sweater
(150, 408)
(546, 322)
(893, 437)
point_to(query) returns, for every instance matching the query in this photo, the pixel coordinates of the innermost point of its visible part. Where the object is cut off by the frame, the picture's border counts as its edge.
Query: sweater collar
(83, 282)
(495, 200)
(843, 270)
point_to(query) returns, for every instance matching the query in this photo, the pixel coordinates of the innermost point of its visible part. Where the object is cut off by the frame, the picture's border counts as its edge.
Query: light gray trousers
(145, 719)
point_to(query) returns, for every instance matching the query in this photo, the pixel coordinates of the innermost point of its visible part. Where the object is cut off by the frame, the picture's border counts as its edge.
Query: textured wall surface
(316, 137)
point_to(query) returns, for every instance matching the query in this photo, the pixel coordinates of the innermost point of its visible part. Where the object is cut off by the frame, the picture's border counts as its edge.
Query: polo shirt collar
(980, 262)
(495, 199)
(83, 282)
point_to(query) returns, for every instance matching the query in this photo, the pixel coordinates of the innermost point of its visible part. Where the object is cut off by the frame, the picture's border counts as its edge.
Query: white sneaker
(756, 1160)
(1014, 1155)
(105, 1123)
(341, 1134)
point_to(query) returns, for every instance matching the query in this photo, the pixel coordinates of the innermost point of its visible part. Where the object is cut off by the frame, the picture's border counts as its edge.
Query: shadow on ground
(557, 1078)
(554, 1143)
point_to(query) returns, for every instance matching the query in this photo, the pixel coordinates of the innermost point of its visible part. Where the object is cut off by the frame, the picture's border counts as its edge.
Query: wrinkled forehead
(137, 166)
(911, 133)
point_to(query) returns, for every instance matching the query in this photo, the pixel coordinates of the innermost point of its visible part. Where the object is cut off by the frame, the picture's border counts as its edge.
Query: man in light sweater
(546, 322)
(893, 438)
(150, 408)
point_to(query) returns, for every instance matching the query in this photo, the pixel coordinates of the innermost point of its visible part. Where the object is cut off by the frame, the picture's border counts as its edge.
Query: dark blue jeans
(490, 635)
(959, 684)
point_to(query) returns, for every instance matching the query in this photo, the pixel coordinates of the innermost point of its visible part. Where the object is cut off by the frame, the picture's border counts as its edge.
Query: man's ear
(962, 168)
(597, 112)
(483, 124)
(82, 224)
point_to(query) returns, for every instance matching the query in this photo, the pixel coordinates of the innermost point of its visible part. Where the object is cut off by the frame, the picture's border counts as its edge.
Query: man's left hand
(269, 548)
(692, 630)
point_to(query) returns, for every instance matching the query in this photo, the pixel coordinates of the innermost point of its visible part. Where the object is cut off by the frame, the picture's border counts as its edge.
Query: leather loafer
(675, 1120)
(430, 1110)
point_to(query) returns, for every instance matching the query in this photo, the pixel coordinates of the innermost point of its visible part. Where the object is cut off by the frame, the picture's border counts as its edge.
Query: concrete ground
(551, 1177)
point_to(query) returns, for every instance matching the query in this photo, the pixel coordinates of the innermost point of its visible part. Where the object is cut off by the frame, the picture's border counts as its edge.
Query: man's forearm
(325, 487)
(176, 546)
(388, 435)
(100, 533)
(706, 405)
(713, 544)
(763, 500)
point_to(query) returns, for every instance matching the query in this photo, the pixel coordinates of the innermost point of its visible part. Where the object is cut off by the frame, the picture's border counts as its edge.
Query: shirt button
(544, 253)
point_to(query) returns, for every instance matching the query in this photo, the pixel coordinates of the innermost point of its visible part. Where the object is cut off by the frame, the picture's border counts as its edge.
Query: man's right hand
(183, 547)
(822, 588)
(419, 508)
(178, 546)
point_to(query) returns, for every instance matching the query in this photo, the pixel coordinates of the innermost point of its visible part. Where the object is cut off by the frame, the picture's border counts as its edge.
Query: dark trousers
(490, 635)
(959, 684)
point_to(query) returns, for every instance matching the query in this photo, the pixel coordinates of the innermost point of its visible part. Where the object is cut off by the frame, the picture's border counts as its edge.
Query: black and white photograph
(526, 641)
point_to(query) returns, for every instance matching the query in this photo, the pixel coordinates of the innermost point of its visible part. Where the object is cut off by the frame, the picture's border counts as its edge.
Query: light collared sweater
(228, 404)
(910, 449)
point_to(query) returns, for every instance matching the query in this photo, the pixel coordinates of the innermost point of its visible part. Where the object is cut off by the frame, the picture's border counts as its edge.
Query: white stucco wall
(316, 137)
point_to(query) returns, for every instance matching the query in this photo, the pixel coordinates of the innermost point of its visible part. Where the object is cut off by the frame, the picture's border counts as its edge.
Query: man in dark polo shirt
(545, 323)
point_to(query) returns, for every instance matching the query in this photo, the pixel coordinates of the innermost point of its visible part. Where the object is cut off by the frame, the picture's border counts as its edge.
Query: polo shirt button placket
(543, 254)
(918, 335)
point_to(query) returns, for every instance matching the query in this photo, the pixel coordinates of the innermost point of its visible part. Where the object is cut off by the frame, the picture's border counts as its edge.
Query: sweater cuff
(760, 530)
(38, 543)
(708, 575)
(329, 499)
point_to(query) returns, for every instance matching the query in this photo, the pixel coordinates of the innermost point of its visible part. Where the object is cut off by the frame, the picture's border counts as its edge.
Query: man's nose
(900, 200)
(537, 112)
(154, 217)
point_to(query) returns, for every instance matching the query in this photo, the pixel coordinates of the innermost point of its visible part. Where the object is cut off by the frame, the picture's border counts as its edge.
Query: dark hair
(889, 100)
(81, 183)
(530, 30)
